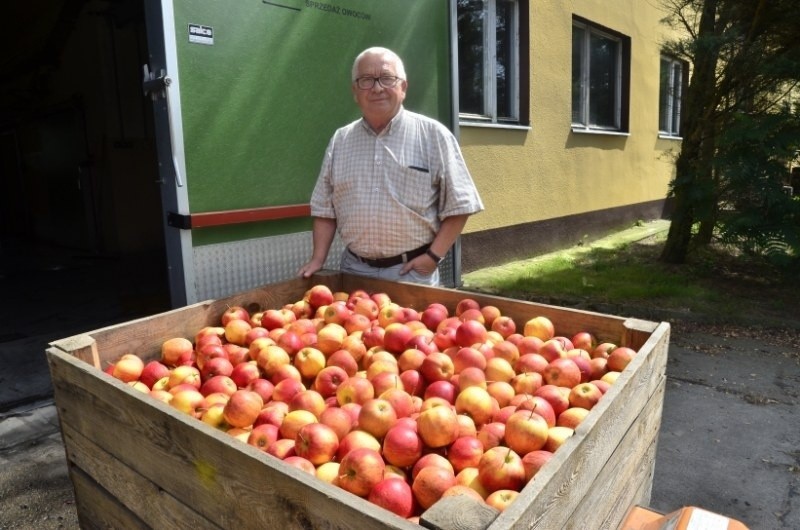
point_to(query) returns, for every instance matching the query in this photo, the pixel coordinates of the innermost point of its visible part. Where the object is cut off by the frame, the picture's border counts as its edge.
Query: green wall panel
(261, 102)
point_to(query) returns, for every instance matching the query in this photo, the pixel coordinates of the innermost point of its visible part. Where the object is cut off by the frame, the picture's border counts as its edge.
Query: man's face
(378, 104)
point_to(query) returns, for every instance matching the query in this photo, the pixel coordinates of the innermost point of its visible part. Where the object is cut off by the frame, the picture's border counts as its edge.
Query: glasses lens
(365, 83)
(387, 81)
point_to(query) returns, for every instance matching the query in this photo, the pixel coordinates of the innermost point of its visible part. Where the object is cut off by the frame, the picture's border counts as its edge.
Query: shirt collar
(389, 126)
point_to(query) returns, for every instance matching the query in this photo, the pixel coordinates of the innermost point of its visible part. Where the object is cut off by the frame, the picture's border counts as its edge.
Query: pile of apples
(396, 405)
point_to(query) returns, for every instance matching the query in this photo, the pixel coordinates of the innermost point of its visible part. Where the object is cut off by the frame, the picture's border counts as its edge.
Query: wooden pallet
(138, 463)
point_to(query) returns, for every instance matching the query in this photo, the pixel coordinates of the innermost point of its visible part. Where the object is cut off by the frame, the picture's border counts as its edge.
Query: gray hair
(383, 52)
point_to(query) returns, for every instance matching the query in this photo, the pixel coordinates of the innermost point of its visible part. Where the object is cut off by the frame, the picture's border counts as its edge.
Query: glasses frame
(374, 80)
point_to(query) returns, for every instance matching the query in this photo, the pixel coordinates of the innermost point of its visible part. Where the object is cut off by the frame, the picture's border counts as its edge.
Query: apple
(526, 431)
(529, 344)
(286, 389)
(215, 398)
(472, 314)
(270, 358)
(410, 359)
(437, 366)
(602, 385)
(603, 350)
(389, 314)
(188, 400)
(234, 313)
(382, 299)
(336, 313)
(243, 408)
(400, 401)
(360, 470)
(470, 376)
(281, 448)
(540, 327)
(344, 360)
(597, 368)
(256, 332)
(527, 382)
(214, 367)
(294, 420)
(500, 499)
(396, 335)
(610, 377)
(531, 362)
(441, 389)
(273, 412)
(328, 472)
(562, 372)
(338, 419)
(502, 414)
(492, 434)
(356, 439)
(557, 396)
(393, 494)
(309, 400)
(533, 462)
(218, 384)
(319, 295)
(402, 446)
(138, 385)
(374, 336)
(476, 403)
(376, 417)
(366, 307)
(444, 337)
(556, 437)
(501, 391)
(301, 463)
(572, 417)
(413, 382)
(465, 452)
(464, 304)
(539, 405)
(161, 395)
(619, 358)
(470, 332)
(584, 365)
(185, 374)
(500, 468)
(431, 460)
(498, 369)
(213, 415)
(152, 372)
(460, 489)
(438, 425)
(469, 477)
(355, 390)
(262, 436)
(552, 349)
(128, 368)
(245, 373)
(504, 325)
(430, 483)
(356, 322)
(236, 331)
(468, 357)
(584, 395)
(506, 350)
(584, 340)
(432, 315)
(317, 443)
(309, 361)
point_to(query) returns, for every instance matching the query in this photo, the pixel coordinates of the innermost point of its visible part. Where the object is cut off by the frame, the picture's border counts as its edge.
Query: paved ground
(729, 438)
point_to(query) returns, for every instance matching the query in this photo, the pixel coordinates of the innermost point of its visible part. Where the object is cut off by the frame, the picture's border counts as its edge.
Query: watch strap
(434, 257)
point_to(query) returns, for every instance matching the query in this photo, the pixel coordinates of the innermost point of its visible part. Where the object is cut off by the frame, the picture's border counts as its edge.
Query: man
(393, 183)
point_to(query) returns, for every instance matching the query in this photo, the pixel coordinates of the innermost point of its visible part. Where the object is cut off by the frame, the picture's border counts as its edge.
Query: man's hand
(423, 264)
(309, 268)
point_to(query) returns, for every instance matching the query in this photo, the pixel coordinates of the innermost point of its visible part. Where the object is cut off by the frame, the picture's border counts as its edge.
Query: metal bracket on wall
(153, 85)
(179, 220)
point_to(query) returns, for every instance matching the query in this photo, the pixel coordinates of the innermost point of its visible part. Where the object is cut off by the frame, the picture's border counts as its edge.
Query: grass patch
(624, 271)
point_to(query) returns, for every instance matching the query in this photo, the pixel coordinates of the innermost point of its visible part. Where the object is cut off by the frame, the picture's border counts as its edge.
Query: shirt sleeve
(458, 194)
(322, 196)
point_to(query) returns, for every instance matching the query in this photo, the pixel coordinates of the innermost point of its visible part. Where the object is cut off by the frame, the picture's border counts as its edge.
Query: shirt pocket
(412, 186)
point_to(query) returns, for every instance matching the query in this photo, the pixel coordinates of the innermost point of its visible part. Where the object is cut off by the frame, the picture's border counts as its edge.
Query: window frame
(519, 86)
(621, 74)
(667, 113)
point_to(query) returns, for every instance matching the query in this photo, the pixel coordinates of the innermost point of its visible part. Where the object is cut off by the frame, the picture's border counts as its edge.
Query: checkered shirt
(389, 192)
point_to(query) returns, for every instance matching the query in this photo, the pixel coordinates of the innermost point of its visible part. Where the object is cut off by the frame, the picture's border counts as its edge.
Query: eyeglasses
(386, 81)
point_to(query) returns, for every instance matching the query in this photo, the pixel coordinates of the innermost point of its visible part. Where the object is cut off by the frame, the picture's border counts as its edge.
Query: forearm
(448, 233)
(323, 232)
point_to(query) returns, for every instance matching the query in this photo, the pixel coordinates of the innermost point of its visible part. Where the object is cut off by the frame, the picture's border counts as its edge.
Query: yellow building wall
(548, 171)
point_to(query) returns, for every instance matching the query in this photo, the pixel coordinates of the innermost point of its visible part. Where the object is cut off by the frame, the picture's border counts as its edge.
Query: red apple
(476, 403)
(539, 405)
(286, 389)
(619, 358)
(470, 332)
(243, 408)
(492, 434)
(356, 439)
(533, 462)
(464, 304)
(152, 372)
(317, 443)
(128, 368)
(281, 448)
(355, 390)
(216, 366)
(465, 452)
(584, 395)
(438, 425)
(504, 325)
(376, 417)
(557, 436)
(433, 315)
(185, 374)
(437, 366)
(431, 460)
(562, 372)
(393, 494)
(309, 400)
(218, 384)
(319, 295)
(540, 327)
(400, 400)
(526, 431)
(468, 357)
(430, 483)
(262, 436)
(402, 446)
(501, 468)
(441, 389)
(236, 331)
(572, 417)
(557, 396)
(360, 470)
(501, 499)
(234, 313)
(273, 413)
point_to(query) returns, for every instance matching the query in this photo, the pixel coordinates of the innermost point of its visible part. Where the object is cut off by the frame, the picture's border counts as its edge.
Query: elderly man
(393, 183)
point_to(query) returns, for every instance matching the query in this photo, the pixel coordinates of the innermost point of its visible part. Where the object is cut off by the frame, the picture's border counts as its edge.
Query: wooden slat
(226, 481)
(121, 482)
(98, 509)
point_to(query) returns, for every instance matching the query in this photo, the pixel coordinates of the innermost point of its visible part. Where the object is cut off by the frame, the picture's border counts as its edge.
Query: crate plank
(205, 469)
(97, 508)
(121, 482)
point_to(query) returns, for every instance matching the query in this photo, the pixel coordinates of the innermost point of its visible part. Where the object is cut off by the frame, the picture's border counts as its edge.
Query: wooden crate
(137, 463)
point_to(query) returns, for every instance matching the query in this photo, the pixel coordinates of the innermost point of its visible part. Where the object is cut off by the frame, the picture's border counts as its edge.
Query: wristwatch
(434, 257)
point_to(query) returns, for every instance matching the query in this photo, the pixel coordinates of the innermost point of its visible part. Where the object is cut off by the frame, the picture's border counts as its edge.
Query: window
(600, 81)
(490, 60)
(670, 103)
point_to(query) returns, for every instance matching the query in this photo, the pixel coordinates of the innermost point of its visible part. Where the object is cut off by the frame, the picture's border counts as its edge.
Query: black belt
(382, 263)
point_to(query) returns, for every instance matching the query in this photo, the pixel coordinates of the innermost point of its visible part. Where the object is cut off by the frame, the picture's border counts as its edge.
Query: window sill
(488, 125)
(601, 132)
(669, 137)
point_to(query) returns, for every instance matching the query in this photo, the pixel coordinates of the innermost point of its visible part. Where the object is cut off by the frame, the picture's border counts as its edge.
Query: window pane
(663, 100)
(577, 79)
(505, 65)
(677, 82)
(602, 81)
(471, 15)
